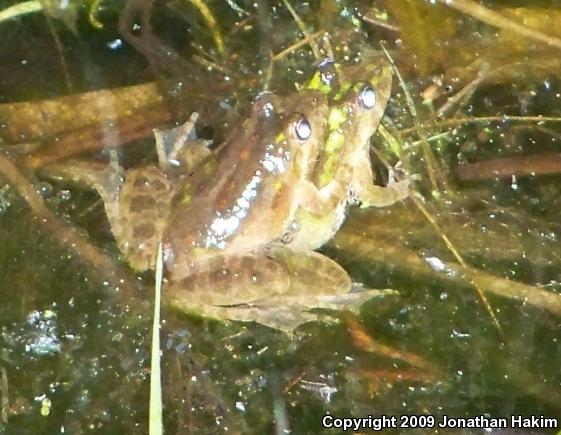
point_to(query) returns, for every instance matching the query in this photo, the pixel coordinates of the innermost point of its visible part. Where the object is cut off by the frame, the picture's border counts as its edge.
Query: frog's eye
(303, 128)
(367, 97)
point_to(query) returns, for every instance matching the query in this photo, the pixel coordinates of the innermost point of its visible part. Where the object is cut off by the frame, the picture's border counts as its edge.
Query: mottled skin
(279, 287)
(343, 174)
(242, 196)
(239, 226)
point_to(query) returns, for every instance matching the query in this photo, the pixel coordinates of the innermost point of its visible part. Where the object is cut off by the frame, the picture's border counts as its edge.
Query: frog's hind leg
(139, 221)
(319, 282)
(228, 280)
(228, 286)
(275, 286)
(106, 179)
(311, 273)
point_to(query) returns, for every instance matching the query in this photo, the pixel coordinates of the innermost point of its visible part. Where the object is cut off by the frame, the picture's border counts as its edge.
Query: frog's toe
(285, 319)
(294, 311)
(359, 295)
(282, 318)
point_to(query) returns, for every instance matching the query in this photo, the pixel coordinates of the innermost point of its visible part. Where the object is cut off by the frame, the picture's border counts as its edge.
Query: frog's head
(283, 133)
(357, 96)
(363, 97)
(304, 128)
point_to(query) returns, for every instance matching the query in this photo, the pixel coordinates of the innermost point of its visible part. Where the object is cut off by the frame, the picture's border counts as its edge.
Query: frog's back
(229, 190)
(243, 196)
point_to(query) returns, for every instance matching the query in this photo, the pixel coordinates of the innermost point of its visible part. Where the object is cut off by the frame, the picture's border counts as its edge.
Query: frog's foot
(290, 312)
(179, 146)
(106, 179)
(286, 313)
(347, 301)
(377, 196)
(285, 319)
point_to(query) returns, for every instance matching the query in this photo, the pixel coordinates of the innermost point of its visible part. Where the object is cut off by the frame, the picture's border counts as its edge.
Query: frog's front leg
(324, 192)
(354, 184)
(370, 195)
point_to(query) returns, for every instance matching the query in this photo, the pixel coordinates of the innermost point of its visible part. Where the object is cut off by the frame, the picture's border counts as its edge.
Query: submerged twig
(433, 171)
(43, 119)
(499, 243)
(158, 54)
(498, 20)
(464, 94)
(302, 28)
(506, 167)
(375, 380)
(380, 23)
(454, 122)
(306, 40)
(59, 48)
(212, 25)
(406, 259)
(366, 343)
(121, 131)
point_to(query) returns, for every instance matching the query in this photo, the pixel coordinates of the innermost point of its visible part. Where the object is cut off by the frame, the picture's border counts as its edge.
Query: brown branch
(121, 131)
(506, 167)
(502, 22)
(42, 120)
(378, 250)
(458, 122)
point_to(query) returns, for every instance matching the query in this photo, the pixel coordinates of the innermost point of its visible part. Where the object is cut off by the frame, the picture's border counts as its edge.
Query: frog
(240, 224)
(339, 176)
(343, 175)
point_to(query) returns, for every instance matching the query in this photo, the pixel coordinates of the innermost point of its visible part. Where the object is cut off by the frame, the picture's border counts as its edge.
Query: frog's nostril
(367, 97)
(303, 129)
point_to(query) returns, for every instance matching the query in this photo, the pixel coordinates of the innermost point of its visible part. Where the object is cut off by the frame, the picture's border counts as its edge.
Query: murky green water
(75, 347)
